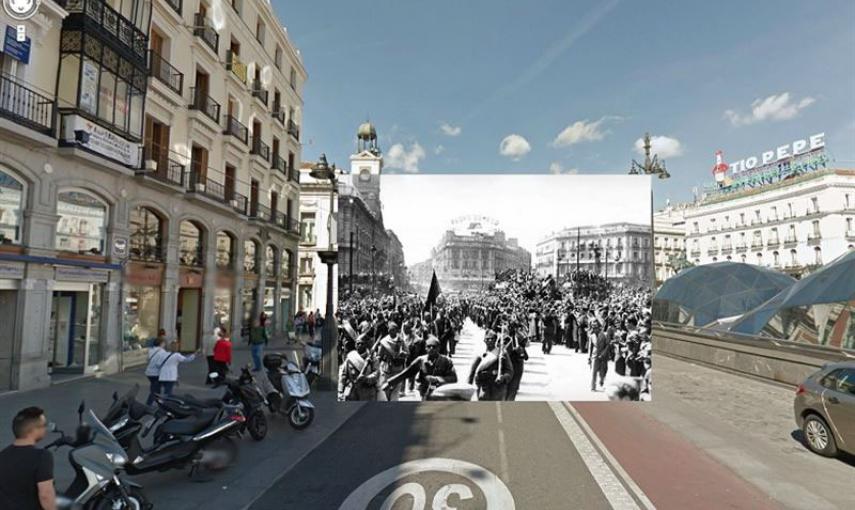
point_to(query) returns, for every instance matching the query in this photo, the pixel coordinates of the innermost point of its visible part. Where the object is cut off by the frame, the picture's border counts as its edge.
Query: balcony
(259, 93)
(295, 174)
(850, 235)
(293, 130)
(207, 33)
(790, 241)
(712, 250)
(814, 238)
(260, 212)
(812, 211)
(193, 257)
(147, 252)
(726, 249)
(176, 5)
(203, 103)
(280, 165)
(773, 242)
(237, 67)
(166, 170)
(259, 148)
(278, 114)
(239, 203)
(741, 247)
(161, 69)
(757, 245)
(98, 18)
(206, 186)
(25, 106)
(236, 129)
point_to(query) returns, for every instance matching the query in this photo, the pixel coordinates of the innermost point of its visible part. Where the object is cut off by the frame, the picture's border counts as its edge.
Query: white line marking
(614, 491)
(503, 450)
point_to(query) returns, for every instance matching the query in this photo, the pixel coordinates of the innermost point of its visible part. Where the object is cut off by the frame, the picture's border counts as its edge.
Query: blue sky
(577, 82)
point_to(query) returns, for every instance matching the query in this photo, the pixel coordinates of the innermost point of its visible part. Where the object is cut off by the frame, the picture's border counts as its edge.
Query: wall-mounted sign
(782, 153)
(12, 270)
(19, 50)
(120, 248)
(86, 133)
(89, 87)
(140, 274)
(80, 274)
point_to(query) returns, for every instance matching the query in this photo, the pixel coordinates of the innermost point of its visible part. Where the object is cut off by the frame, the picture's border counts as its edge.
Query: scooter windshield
(104, 438)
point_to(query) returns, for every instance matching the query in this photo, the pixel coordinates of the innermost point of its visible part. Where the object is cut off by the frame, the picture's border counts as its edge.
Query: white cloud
(514, 146)
(439, 149)
(582, 131)
(556, 168)
(450, 130)
(407, 160)
(662, 146)
(774, 107)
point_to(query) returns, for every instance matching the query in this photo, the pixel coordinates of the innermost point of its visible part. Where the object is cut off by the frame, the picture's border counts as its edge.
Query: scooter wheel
(300, 418)
(112, 499)
(256, 425)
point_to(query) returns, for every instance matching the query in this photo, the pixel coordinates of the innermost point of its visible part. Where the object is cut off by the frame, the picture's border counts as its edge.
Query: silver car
(825, 409)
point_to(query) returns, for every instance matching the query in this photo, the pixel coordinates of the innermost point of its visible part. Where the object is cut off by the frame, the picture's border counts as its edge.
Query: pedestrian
(357, 378)
(598, 355)
(156, 355)
(310, 321)
(432, 370)
(518, 356)
(26, 472)
(168, 376)
(491, 371)
(222, 354)
(392, 354)
(258, 339)
(208, 346)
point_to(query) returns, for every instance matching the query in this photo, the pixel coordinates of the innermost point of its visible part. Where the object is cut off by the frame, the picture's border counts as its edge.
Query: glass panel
(248, 307)
(146, 235)
(94, 343)
(224, 250)
(190, 239)
(223, 307)
(82, 223)
(250, 257)
(270, 262)
(11, 205)
(142, 316)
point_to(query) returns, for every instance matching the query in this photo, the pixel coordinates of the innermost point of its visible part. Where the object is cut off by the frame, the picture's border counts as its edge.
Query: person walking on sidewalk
(168, 376)
(209, 353)
(26, 472)
(222, 355)
(310, 322)
(257, 340)
(156, 355)
(598, 354)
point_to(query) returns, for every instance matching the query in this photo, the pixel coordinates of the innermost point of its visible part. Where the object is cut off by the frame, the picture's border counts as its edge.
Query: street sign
(120, 248)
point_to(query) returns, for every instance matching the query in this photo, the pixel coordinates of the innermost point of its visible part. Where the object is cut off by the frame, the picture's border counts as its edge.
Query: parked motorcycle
(312, 360)
(288, 390)
(242, 391)
(97, 459)
(202, 439)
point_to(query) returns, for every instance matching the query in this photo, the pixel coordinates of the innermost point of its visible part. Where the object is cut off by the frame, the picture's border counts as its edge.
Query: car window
(846, 381)
(830, 379)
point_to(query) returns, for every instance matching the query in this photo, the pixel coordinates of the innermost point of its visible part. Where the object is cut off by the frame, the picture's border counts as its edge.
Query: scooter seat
(191, 425)
(201, 402)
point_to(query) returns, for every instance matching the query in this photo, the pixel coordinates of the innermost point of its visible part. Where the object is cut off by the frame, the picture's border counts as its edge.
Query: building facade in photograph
(618, 251)
(316, 211)
(147, 180)
(470, 254)
(793, 225)
(669, 241)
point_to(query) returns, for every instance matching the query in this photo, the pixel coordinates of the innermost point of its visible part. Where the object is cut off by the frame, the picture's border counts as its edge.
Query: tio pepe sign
(780, 153)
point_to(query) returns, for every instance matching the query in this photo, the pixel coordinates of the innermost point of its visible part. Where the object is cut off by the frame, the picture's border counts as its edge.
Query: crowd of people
(398, 342)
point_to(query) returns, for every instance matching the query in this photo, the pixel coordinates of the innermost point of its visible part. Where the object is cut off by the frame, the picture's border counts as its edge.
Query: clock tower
(366, 166)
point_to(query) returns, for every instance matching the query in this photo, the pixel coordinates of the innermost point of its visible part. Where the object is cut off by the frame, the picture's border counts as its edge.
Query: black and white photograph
(488, 287)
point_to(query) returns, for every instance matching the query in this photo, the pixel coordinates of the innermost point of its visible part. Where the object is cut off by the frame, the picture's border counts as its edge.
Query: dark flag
(433, 293)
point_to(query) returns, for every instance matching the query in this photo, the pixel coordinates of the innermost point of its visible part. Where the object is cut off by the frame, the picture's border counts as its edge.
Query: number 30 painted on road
(495, 492)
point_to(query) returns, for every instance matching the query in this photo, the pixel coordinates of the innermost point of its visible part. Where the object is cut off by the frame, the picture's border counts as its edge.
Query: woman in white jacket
(169, 367)
(156, 354)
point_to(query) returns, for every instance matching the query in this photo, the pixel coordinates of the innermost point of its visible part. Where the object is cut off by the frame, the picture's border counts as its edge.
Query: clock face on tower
(365, 175)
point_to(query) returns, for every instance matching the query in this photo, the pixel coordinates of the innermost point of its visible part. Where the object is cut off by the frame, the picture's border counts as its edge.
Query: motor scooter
(97, 459)
(312, 360)
(287, 390)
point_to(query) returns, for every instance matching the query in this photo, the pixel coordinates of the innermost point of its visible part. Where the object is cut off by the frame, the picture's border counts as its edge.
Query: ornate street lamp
(651, 166)
(329, 336)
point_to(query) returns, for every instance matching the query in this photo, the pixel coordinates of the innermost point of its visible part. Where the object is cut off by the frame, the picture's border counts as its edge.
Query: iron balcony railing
(279, 219)
(194, 257)
(207, 33)
(280, 165)
(259, 93)
(234, 64)
(203, 103)
(293, 129)
(206, 186)
(161, 69)
(814, 238)
(259, 148)
(773, 242)
(261, 212)
(236, 129)
(111, 23)
(239, 203)
(147, 252)
(167, 170)
(278, 113)
(292, 225)
(756, 245)
(294, 173)
(25, 106)
(790, 240)
(175, 4)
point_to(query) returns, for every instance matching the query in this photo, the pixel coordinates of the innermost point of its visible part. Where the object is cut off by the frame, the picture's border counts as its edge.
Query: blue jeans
(257, 350)
(166, 387)
(153, 389)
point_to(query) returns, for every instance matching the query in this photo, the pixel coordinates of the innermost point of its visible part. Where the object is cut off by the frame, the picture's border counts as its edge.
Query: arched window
(146, 235)
(192, 244)
(776, 258)
(225, 250)
(270, 264)
(11, 208)
(287, 260)
(250, 256)
(82, 226)
(794, 259)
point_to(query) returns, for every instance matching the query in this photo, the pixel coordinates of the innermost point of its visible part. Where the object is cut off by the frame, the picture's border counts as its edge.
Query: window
(814, 202)
(794, 258)
(774, 214)
(307, 228)
(250, 256)
(225, 250)
(277, 58)
(293, 78)
(11, 208)
(848, 226)
(270, 265)
(146, 235)
(792, 236)
(191, 244)
(789, 210)
(815, 225)
(741, 219)
(776, 259)
(287, 260)
(817, 256)
(82, 223)
(846, 201)
(259, 32)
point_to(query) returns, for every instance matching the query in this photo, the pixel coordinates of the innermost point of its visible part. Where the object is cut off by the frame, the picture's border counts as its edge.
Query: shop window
(142, 316)
(250, 256)
(192, 245)
(11, 209)
(285, 269)
(146, 235)
(270, 265)
(82, 223)
(225, 250)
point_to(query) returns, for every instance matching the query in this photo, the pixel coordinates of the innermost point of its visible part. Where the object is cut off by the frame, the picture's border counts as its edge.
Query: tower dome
(366, 131)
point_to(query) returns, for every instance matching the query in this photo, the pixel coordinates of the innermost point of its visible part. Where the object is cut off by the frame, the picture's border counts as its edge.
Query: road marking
(495, 492)
(618, 496)
(503, 450)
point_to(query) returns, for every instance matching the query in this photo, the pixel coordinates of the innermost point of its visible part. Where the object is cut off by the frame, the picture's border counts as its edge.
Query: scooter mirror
(80, 409)
(115, 396)
(51, 426)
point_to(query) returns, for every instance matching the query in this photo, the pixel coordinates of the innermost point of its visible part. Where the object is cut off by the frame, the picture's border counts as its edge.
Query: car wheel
(818, 436)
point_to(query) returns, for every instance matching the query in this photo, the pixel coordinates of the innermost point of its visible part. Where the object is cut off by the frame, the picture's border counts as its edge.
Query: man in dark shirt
(26, 472)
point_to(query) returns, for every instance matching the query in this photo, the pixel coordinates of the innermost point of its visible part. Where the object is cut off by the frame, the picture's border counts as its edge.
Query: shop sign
(783, 153)
(103, 141)
(80, 274)
(190, 279)
(11, 270)
(139, 274)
